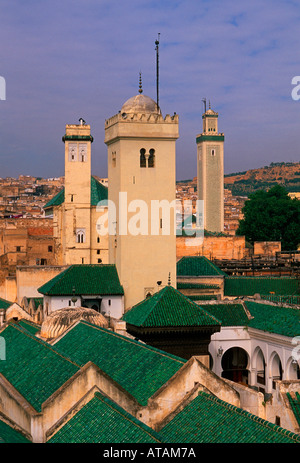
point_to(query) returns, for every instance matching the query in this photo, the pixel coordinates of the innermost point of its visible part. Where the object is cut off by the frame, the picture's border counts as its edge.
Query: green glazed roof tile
(84, 280)
(8, 435)
(32, 366)
(4, 304)
(294, 400)
(197, 266)
(102, 421)
(140, 369)
(29, 326)
(229, 314)
(274, 319)
(208, 419)
(167, 308)
(196, 286)
(99, 192)
(248, 286)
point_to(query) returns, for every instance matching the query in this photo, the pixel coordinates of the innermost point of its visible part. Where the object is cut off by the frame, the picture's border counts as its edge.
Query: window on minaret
(82, 152)
(80, 235)
(72, 152)
(142, 158)
(114, 158)
(151, 159)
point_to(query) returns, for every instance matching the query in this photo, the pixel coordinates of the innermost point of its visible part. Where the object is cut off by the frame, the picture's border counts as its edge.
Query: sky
(62, 60)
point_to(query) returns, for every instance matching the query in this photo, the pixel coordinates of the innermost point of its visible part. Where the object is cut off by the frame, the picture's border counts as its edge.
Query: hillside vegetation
(244, 183)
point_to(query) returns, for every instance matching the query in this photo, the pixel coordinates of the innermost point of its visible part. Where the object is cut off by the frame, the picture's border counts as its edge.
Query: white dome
(140, 104)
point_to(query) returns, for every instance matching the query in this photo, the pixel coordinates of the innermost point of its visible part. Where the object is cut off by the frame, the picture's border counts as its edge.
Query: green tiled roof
(99, 192)
(208, 419)
(167, 308)
(274, 319)
(83, 279)
(281, 299)
(203, 297)
(9, 435)
(57, 200)
(4, 304)
(28, 325)
(140, 369)
(32, 366)
(197, 266)
(196, 286)
(103, 421)
(248, 286)
(229, 314)
(294, 400)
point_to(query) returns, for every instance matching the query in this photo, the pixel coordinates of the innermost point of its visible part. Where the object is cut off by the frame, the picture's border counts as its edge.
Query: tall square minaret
(77, 200)
(141, 177)
(210, 172)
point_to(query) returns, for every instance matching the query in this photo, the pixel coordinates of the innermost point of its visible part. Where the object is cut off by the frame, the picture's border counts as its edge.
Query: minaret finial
(140, 84)
(209, 104)
(169, 279)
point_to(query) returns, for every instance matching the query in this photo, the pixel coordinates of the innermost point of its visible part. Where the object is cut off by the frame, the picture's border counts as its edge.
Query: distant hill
(286, 174)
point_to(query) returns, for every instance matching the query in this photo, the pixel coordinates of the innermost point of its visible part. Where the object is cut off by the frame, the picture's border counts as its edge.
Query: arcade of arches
(236, 366)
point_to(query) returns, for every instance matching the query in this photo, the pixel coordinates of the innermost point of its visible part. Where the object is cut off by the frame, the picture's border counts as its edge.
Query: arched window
(151, 159)
(142, 157)
(260, 368)
(234, 364)
(80, 235)
(276, 370)
(83, 152)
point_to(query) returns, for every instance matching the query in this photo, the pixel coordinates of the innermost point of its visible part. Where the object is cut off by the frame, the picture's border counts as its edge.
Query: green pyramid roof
(167, 308)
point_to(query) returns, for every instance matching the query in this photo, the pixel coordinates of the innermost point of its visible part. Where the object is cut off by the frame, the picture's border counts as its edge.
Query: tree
(271, 216)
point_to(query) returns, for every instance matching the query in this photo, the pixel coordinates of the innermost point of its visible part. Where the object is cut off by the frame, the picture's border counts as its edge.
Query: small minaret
(77, 201)
(210, 171)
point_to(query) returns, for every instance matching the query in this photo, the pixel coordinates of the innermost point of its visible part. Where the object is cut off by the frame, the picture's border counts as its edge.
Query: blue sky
(67, 59)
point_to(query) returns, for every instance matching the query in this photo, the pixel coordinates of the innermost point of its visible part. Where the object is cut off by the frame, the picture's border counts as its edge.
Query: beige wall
(266, 248)
(29, 279)
(227, 248)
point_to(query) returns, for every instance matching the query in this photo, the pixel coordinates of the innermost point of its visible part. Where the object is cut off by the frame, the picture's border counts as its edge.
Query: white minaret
(210, 172)
(141, 174)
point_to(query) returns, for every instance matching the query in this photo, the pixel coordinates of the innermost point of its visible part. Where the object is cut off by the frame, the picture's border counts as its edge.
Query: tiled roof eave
(174, 329)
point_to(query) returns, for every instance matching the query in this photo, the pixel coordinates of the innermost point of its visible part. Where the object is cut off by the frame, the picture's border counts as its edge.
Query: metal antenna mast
(204, 101)
(157, 70)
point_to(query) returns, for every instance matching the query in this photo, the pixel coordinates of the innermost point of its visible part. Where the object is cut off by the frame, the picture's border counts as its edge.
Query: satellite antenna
(157, 70)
